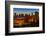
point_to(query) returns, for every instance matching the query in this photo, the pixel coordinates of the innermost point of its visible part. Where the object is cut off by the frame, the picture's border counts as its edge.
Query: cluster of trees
(32, 20)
